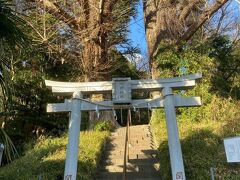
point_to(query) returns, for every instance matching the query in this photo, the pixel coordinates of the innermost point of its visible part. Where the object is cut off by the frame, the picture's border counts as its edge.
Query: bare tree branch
(201, 20)
(187, 9)
(59, 12)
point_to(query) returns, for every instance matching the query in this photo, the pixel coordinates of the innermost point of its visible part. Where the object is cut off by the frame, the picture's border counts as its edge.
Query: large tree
(97, 26)
(173, 22)
(86, 33)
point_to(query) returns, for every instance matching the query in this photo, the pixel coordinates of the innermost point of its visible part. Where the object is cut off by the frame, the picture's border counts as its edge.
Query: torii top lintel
(68, 88)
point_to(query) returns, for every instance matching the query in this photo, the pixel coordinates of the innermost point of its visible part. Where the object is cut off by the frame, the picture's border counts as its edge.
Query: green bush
(47, 158)
(103, 126)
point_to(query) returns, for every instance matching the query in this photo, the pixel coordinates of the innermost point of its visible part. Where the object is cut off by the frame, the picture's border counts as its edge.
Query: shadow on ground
(202, 149)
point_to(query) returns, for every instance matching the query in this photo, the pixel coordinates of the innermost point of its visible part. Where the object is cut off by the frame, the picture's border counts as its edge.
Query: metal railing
(126, 148)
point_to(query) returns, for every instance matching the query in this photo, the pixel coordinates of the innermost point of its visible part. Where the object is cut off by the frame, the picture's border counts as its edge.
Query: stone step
(142, 163)
(137, 127)
(131, 156)
(143, 145)
(109, 176)
(131, 135)
(147, 168)
(151, 168)
(143, 156)
(130, 175)
(151, 178)
(118, 151)
(131, 140)
(139, 137)
(130, 145)
(137, 130)
(113, 161)
(143, 151)
(131, 153)
(111, 168)
(135, 152)
(134, 162)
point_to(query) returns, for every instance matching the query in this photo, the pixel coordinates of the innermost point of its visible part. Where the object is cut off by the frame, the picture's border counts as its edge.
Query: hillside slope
(201, 141)
(46, 159)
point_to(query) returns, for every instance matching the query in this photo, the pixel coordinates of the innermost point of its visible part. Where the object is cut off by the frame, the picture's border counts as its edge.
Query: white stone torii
(121, 89)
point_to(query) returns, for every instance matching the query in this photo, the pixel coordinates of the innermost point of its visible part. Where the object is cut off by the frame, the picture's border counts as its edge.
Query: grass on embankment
(46, 159)
(202, 144)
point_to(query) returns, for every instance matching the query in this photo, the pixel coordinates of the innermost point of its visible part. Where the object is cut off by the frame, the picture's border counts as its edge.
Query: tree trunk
(98, 25)
(103, 115)
(158, 29)
(172, 22)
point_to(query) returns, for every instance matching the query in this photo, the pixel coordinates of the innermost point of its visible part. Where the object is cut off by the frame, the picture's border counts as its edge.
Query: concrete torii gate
(121, 89)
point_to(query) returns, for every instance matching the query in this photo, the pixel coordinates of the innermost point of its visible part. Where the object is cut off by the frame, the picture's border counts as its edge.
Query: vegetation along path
(142, 163)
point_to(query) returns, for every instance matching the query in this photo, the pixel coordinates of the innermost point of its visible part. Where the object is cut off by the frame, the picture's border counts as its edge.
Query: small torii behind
(121, 90)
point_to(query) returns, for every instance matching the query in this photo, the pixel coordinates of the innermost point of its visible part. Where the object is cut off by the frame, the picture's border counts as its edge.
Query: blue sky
(137, 31)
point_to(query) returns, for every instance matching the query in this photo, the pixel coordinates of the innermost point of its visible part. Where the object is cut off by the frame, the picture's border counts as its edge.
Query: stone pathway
(142, 164)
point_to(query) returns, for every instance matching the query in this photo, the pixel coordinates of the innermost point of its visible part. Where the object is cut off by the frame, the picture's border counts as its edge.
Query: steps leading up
(142, 164)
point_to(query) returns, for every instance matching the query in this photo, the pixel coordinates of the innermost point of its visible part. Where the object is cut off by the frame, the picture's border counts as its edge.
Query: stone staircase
(142, 164)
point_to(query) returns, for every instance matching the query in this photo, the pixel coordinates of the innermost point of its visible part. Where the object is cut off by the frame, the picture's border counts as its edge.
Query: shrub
(103, 126)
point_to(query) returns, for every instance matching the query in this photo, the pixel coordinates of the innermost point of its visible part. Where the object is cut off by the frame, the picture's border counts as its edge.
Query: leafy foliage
(10, 152)
(226, 80)
(103, 126)
(10, 31)
(12, 39)
(202, 129)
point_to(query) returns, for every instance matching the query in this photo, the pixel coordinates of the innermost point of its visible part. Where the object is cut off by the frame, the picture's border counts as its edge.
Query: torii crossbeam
(121, 90)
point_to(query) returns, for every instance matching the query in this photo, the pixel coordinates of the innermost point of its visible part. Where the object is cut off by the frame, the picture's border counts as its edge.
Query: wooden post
(175, 150)
(70, 172)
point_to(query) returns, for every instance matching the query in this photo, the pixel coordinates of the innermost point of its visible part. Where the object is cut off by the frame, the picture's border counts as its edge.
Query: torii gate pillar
(73, 138)
(121, 90)
(175, 150)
